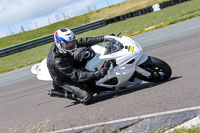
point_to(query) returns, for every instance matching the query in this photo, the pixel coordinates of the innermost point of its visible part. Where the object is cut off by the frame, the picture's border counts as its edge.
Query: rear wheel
(160, 70)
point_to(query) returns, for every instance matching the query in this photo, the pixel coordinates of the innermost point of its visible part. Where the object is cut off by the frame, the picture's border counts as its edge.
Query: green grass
(107, 12)
(191, 130)
(24, 58)
(29, 35)
(168, 15)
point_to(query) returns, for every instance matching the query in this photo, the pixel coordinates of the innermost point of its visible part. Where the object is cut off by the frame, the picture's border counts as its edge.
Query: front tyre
(160, 70)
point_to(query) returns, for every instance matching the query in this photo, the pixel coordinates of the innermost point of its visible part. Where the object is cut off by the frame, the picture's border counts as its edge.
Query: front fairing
(126, 60)
(128, 50)
(122, 50)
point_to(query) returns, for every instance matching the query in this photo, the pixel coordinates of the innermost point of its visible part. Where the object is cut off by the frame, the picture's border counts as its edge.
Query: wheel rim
(157, 73)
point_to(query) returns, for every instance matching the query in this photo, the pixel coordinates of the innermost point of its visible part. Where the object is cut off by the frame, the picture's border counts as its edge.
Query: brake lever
(119, 34)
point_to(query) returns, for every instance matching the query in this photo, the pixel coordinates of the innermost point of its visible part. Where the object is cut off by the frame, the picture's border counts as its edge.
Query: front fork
(140, 70)
(143, 71)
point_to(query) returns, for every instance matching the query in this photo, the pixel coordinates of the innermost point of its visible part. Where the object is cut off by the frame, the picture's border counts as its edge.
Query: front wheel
(160, 70)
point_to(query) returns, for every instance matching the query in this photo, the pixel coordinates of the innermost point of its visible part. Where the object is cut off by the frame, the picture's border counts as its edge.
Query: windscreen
(112, 45)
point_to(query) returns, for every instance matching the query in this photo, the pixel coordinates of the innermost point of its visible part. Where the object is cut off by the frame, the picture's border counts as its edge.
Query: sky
(19, 15)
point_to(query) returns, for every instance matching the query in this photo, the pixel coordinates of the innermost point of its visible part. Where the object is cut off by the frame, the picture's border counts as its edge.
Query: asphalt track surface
(25, 105)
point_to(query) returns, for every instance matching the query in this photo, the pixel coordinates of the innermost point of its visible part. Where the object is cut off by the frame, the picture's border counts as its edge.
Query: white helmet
(65, 41)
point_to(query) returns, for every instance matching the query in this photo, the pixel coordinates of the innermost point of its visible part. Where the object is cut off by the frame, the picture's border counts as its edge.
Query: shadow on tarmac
(123, 91)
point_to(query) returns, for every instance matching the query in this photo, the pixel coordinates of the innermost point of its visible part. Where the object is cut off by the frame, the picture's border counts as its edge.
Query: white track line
(127, 119)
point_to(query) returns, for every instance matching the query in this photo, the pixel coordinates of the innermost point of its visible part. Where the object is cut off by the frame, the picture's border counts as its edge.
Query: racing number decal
(131, 49)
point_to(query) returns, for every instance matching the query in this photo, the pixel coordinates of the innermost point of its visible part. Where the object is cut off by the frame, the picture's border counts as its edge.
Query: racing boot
(78, 91)
(86, 100)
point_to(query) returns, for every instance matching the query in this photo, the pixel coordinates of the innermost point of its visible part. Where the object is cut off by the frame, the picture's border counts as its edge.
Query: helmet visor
(69, 45)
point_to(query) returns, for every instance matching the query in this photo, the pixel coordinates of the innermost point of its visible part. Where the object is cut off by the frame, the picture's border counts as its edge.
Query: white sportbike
(129, 65)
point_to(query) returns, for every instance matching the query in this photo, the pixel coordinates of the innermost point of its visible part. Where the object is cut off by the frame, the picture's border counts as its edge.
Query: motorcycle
(129, 65)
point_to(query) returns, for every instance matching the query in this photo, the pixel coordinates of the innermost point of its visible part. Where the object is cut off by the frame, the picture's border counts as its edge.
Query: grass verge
(191, 130)
(108, 12)
(135, 25)
(24, 58)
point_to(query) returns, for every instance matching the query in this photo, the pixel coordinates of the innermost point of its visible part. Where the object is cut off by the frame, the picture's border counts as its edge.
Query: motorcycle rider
(62, 63)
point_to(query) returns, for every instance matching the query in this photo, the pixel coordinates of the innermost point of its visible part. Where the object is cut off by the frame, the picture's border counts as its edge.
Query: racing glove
(103, 71)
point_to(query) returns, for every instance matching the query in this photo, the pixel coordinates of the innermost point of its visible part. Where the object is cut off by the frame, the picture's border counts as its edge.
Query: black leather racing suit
(65, 72)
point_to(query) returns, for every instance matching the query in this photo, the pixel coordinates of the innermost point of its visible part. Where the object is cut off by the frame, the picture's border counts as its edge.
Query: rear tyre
(159, 69)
